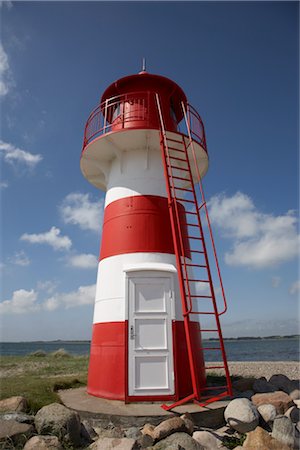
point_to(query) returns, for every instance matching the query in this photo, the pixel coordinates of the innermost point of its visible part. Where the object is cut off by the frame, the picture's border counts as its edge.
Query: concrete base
(138, 414)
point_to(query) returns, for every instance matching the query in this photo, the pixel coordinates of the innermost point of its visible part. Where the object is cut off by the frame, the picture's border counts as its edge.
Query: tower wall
(136, 236)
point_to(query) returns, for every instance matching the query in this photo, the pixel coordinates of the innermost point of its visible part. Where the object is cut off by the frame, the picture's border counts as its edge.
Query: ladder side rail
(206, 212)
(206, 259)
(186, 319)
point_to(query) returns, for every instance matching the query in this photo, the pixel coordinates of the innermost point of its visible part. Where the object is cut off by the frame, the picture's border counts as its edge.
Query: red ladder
(193, 269)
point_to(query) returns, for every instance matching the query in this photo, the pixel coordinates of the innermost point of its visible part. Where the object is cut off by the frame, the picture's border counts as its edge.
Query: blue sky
(237, 63)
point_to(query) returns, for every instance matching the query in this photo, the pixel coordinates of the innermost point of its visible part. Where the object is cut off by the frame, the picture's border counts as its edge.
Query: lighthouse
(145, 146)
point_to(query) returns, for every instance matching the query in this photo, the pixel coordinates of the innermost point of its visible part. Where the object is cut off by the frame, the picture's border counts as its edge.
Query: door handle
(132, 335)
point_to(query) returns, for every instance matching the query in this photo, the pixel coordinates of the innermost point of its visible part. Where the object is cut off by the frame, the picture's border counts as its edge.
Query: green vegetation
(37, 376)
(233, 441)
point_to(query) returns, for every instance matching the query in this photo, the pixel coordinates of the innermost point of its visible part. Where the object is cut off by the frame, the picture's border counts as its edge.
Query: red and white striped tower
(138, 349)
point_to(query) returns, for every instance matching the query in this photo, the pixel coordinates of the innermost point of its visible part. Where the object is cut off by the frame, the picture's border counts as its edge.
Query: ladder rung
(180, 178)
(197, 251)
(196, 265)
(200, 296)
(191, 224)
(192, 279)
(207, 330)
(203, 312)
(215, 367)
(178, 168)
(184, 200)
(195, 237)
(174, 140)
(183, 189)
(178, 159)
(176, 149)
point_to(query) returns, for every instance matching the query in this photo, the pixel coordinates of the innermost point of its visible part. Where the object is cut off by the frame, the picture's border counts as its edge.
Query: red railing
(137, 110)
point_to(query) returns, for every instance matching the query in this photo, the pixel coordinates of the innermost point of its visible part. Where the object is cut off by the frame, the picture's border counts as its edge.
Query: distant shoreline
(240, 338)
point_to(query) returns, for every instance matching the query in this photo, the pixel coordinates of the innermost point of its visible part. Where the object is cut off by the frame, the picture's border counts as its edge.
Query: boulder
(178, 441)
(267, 412)
(109, 432)
(262, 385)
(244, 384)
(290, 387)
(18, 417)
(148, 429)
(241, 415)
(17, 403)
(293, 413)
(259, 439)
(142, 440)
(279, 399)
(167, 427)
(87, 432)
(113, 443)
(14, 432)
(43, 443)
(245, 394)
(208, 440)
(57, 420)
(189, 424)
(283, 430)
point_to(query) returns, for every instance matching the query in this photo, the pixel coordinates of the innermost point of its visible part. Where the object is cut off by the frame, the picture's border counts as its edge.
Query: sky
(238, 63)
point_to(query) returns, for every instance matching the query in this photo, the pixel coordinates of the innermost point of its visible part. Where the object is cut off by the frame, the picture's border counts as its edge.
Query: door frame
(165, 271)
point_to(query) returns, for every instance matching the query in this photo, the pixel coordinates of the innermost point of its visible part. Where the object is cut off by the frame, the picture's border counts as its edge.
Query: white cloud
(4, 72)
(295, 288)
(47, 286)
(20, 259)
(14, 155)
(84, 295)
(79, 209)
(83, 261)
(3, 184)
(259, 239)
(7, 3)
(51, 237)
(275, 281)
(22, 301)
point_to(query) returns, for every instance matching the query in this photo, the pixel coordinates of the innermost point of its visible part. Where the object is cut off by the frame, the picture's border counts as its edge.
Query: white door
(150, 353)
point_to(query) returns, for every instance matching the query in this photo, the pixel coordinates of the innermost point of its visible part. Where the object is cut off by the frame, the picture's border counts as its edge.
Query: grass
(37, 377)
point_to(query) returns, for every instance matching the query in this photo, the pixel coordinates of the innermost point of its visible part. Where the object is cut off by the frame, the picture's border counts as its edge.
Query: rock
(18, 417)
(189, 424)
(279, 399)
(113, 443)
(17, 403)
(133, 433)
(267, 412)
(148, 429)
(244, 384)
(290, 387)
(297, 403)
(43, 443)
(110, 432)
(178, 441)
(60, 421)
(167, 427)
(294, 391)
(14, 432)
(293, 413)
(283, 430)
(208, 440)
(262, 385)
(259, 439)
(245, 394)
(142, 440)
(87, 432)
(241, 415)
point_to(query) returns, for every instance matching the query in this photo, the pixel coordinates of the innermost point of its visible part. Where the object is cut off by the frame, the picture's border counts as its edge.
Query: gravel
(259, 369)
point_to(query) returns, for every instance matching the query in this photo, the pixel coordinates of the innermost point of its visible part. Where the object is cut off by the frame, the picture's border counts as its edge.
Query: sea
(282, 349)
